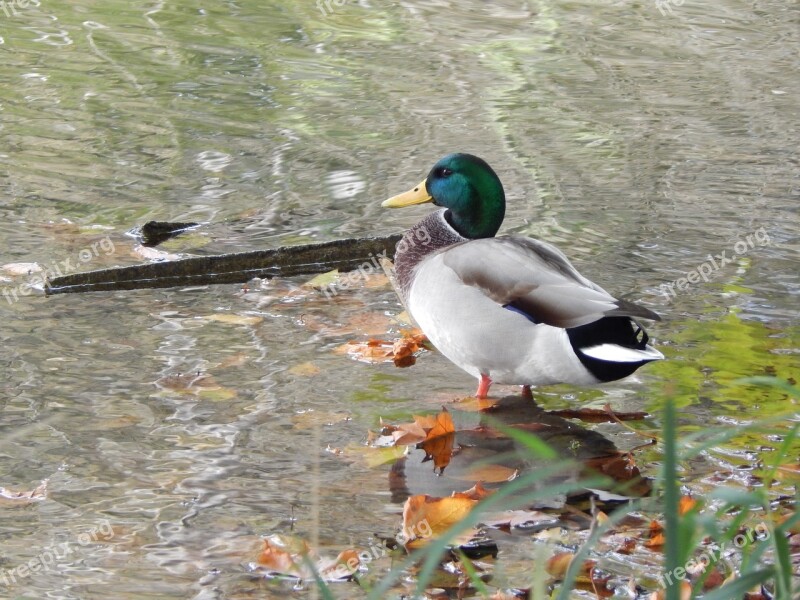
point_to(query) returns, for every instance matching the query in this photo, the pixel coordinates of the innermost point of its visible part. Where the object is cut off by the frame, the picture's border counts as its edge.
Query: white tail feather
(616, 353)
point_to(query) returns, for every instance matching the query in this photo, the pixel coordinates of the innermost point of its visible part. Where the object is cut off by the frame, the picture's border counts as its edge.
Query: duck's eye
(445, 172)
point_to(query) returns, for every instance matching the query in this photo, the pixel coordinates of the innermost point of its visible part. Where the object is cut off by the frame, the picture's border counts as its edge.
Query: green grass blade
(672, 560)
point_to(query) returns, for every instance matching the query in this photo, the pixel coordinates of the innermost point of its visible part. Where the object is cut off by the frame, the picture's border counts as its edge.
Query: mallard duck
(507, 309)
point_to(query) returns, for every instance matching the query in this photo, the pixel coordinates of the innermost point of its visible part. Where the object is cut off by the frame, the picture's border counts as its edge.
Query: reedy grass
(684, 533)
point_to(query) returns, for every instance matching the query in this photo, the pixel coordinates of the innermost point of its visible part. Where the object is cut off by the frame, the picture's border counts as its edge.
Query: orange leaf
(438, 444)
(427, 516)
(275, 558)
(408, 433)
(686, 504)
(558, 564)
(439, 449)
(476, 492)
(686, 592)
(427, 422)
(444, 425)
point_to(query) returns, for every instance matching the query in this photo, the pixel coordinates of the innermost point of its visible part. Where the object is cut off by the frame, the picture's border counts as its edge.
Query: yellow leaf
(323, 280)
(233, 319)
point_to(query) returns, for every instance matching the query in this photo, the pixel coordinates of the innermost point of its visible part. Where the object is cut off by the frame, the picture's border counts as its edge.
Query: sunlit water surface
(640, 138)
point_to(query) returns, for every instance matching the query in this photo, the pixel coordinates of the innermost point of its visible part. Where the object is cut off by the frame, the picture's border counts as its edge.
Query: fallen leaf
(306, 369)
(13, 497)
(196, 384)
(323, 280)
(685, 504)
(374, 457)
(438, 444)
(713, 580)
(286, 555)
(371, 351)
(558, 564)
(656, 536)
(342, 567)
(233, 319)
(406, 348)
(627, 547)
(277, 559)
(476, 492)
(686, 592)
(401, 351)
(427, 516)
(439, 449)
(442, 425)
(408, 433)
(21, 268)
(310, 418)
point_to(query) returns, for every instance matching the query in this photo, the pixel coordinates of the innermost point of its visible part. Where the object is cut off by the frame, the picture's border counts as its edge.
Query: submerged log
(345, 255)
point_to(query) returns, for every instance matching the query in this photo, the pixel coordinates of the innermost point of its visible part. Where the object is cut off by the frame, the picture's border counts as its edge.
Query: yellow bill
(418, 195)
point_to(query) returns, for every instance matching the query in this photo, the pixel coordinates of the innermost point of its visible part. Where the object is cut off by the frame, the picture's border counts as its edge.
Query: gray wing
(537, 279)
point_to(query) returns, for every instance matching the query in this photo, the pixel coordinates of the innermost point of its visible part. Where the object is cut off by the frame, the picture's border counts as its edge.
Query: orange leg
(483, 387)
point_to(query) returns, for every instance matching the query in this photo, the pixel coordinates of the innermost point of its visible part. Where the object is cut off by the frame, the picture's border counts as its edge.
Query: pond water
(641, 137)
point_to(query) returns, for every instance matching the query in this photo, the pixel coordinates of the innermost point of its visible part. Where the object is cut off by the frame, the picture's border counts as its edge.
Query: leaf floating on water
(13, 497)
(21, 268)
(277, 559)
(656, 540)
(435, 434)
(686, 504)
(476, 492)
(439, 442)
(197, 384)
(371, 351)
(306, 369)
(425, 517)
(442, 425)
(374, 457)
(405, 348)
(284, 555)
(408, 433)
(233, 319)
(401, 351)
(588, 575)
(439, 449)
(686, 592)
(309, 418)
(558, 564)
(323, 280)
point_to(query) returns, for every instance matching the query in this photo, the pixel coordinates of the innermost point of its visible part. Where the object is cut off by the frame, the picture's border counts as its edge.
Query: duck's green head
(468, 187)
